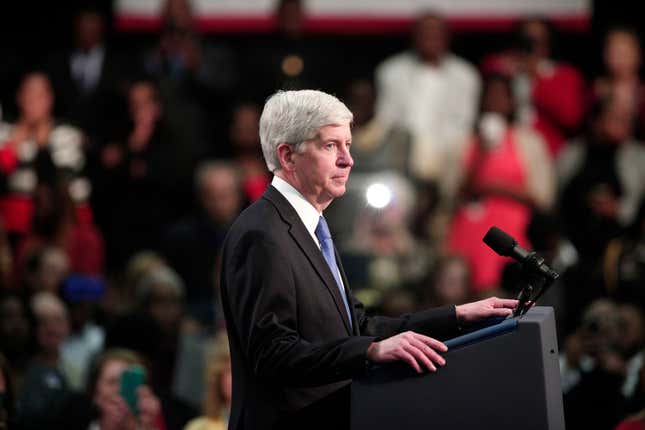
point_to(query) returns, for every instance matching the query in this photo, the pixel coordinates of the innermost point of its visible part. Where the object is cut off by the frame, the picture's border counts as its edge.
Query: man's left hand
(490, 307)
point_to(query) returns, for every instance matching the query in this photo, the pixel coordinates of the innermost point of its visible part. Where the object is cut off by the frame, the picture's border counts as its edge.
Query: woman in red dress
(505, 173)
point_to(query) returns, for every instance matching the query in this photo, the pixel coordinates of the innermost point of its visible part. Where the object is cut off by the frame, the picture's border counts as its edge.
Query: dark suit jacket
(100, 112)
(292, 349)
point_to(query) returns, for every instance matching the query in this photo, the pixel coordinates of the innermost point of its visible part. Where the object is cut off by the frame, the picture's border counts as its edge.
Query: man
(297, 334)
(193, 245)
(431, 92)
(87, 78)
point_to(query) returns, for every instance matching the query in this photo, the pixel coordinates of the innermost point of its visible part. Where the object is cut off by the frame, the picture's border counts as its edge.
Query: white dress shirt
(437, 104)
(86, 67)
(308, 214)
(305, 210)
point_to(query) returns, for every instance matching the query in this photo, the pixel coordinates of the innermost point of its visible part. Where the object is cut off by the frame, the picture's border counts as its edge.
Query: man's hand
(413, 348)
(490, 307)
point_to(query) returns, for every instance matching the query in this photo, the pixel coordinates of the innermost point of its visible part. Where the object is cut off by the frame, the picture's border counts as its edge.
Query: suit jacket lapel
(306, 243)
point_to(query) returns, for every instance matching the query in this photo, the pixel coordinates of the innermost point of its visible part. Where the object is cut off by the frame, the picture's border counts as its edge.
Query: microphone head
(500, 242)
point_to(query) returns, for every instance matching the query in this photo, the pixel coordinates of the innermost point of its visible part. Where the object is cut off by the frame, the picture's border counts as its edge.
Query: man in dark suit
(88, 78)
(297, 334)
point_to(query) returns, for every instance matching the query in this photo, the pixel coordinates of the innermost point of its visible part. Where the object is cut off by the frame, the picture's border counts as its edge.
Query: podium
(504, 376)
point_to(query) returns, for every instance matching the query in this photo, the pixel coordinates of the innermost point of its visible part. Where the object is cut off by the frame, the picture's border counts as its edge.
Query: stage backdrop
(358, 16)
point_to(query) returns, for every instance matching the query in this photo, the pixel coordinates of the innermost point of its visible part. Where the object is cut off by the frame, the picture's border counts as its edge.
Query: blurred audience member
(430, 92)
(244, 135)
(381, 253)
(591, 348)
(103, 407)
(139, 183)
(6, 260)
(45, 269)
(290, 58)
(398, 301)
(218, 393)
(601, 365)
(15, 336)
(633, 422)
(601, 179)
(376, 146)
(637, 420)
(566, 295)
(193, 245)
(153, 329)
(57, 225)
(119, 295)
(7, 396)
(550, 94)
(450, 282)
(624, 263)
(87, 78)
(505, 171)
(153, 326)
(621, 77)
(196, 77)
(183, 58)
(82, 295)
(45, 386)
(631, 344)
(37, 150)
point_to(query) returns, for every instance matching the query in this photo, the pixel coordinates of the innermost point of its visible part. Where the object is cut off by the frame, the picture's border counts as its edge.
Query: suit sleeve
(439, 323)
(259, 291)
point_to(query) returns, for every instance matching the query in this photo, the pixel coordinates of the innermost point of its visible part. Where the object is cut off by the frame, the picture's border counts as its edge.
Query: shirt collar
(305, 210)
(96, 51)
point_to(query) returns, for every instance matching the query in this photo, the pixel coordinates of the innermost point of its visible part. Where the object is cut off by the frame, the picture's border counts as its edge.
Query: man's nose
(345, 158)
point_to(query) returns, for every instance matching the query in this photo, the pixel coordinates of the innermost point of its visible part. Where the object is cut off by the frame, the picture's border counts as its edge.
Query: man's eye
(330, 145)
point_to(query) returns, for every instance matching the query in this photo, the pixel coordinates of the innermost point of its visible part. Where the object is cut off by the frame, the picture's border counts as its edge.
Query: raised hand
(149, 407)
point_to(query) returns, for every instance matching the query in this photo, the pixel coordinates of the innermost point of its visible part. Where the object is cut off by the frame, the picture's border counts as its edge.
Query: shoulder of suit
(261, 215)
(259, 225)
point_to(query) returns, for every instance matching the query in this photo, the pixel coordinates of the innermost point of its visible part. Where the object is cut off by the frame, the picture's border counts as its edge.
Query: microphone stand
(537, 282)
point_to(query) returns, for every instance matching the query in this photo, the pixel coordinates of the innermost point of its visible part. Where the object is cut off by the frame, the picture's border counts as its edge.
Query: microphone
(504, 245)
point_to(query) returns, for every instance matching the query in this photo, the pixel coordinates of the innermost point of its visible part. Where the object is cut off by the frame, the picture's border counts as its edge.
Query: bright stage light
(378, 195)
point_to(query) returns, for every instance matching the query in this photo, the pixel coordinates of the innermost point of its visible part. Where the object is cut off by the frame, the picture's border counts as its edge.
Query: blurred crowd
(121, 170)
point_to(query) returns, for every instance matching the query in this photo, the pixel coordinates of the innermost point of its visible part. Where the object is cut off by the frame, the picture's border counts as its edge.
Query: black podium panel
(508, 381)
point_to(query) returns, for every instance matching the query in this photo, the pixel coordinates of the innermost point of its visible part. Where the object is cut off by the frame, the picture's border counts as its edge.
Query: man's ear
(285, 155)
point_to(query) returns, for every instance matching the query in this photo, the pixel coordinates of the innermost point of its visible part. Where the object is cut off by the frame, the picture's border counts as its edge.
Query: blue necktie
(327, 247)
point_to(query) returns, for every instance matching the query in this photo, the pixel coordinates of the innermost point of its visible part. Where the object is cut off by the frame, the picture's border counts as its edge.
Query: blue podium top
(495, 328)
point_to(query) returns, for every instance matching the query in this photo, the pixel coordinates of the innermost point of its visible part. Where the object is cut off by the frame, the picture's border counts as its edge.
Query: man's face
(536, 33)
(220, 196)
(622, 53)
(244, 130)
(89, 30)
(430, 38)
(323, 167)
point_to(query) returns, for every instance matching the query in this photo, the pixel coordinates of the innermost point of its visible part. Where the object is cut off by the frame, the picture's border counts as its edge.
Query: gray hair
(207, 168)
(294, 117)
(162, 277)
